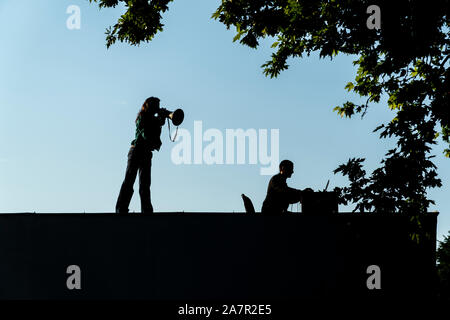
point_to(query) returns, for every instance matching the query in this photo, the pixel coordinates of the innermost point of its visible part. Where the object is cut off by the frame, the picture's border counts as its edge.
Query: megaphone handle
(176, 132)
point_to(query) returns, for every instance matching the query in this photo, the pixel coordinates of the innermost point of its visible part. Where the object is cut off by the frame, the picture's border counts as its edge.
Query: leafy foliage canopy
(407, 60)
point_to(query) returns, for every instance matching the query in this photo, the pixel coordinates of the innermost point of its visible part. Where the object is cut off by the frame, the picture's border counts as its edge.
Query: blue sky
(67, 110)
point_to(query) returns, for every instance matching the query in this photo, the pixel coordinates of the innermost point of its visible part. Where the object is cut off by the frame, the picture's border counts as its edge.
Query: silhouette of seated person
(279, 195)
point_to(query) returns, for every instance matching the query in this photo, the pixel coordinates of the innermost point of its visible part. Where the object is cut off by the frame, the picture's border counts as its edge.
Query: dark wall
(188, 256)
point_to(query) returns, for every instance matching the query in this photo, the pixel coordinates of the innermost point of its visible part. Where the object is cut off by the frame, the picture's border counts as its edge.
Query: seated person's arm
(281, 188)
(294, 195)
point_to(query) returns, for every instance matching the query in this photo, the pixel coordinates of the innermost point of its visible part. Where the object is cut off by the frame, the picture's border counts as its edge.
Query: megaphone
(176, 116)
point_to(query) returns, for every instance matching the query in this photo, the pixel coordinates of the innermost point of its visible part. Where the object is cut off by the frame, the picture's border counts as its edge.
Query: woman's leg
(126, 191)
(144, 183)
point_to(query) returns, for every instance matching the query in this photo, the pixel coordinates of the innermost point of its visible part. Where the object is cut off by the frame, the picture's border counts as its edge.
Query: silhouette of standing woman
(149, 121)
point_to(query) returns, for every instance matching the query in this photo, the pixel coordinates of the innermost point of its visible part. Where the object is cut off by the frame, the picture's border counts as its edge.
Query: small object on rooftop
(249, 208)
